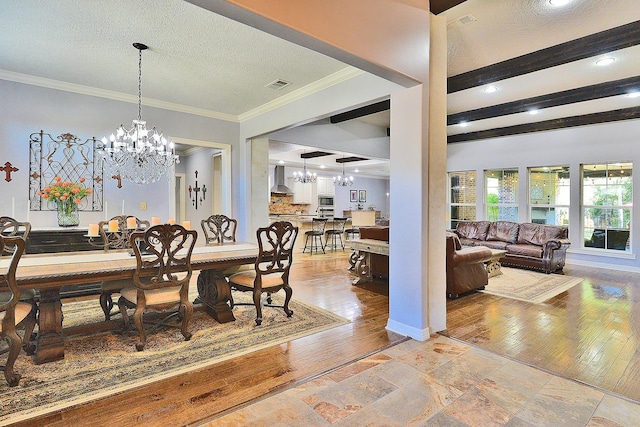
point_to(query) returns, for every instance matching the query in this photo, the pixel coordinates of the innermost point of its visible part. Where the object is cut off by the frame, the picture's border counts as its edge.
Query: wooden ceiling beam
(595, 44)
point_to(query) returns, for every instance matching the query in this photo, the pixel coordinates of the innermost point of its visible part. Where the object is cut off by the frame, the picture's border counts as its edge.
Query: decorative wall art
(353, 196)
(362, 196)
(7, 169)
(193, 193)
(67, 158)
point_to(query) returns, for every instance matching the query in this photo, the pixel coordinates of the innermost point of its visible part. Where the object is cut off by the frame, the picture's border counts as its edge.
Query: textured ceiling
(195, 58)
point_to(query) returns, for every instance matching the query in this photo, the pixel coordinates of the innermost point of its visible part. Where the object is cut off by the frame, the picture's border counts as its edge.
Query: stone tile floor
(440, 382)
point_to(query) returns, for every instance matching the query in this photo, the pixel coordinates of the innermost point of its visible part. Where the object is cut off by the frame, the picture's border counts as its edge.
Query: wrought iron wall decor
(7, 169)
(193, 193)
(66, 157)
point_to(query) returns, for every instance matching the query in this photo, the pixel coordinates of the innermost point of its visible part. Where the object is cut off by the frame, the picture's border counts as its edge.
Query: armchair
(161, 279)
(219, 228)
(111, 241)
(465, 267)
(271, 273)
(13, 311)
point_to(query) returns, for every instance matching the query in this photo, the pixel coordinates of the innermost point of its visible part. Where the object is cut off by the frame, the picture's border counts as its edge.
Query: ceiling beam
(587, 93)
(565, 122)
(595, 44)
(439, 6)
(312, 154)
(361, 112)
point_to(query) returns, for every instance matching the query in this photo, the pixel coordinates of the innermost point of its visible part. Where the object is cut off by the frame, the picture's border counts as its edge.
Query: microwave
(325, 201)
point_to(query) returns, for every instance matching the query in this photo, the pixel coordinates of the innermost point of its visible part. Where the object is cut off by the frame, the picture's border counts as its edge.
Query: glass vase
(68, 213)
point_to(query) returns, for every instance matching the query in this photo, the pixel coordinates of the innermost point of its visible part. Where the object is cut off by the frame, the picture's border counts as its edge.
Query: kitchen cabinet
(301, 192)
(326, 187)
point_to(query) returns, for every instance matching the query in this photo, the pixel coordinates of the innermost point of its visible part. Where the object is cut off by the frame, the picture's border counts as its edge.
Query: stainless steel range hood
(278, 179)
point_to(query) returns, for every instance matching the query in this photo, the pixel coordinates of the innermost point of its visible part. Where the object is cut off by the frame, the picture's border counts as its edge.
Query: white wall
(608, 142)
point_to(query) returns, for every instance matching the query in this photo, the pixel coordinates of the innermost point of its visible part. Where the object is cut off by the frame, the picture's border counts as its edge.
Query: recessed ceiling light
(634, 94)
(322, 166)
(605, 61)
(490, 89)
(357, 170)
(463, 124)
(281, 162)
(534, 111)
(558, 3)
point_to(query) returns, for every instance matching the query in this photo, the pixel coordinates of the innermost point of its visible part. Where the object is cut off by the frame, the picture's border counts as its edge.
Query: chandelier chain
(139, 84)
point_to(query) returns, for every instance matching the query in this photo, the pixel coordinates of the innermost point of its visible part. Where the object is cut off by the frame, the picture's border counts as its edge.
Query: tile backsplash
(282, 204)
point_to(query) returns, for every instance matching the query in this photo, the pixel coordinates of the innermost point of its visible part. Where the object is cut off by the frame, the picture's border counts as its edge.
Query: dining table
(49, 273)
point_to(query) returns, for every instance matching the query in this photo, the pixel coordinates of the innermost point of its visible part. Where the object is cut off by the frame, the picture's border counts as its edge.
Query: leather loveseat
(535, 246)
(465, 267)
(379, 263)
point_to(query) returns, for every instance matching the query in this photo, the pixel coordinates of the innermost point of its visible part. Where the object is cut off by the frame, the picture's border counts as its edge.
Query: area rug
(529, 286)
(103, 364)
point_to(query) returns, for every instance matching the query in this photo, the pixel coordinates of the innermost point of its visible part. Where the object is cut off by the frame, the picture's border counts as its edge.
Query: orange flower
(77, 200)
(57, 194)
(82, 179)
(63, 198)
(75, 190)
(45, 196)
(89, 191)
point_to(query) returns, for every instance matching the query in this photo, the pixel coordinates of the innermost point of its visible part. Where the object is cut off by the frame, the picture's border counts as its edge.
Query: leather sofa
(534, 246)
(465, 267)
(379, 263)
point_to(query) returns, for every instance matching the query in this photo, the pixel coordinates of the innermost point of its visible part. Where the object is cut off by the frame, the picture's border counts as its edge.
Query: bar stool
(317, 231)
(335, 233)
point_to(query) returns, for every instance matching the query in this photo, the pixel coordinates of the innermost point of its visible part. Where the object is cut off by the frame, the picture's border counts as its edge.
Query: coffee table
(493, 264)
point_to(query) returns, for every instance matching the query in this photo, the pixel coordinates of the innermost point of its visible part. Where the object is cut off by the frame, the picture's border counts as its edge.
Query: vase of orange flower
(67, 196)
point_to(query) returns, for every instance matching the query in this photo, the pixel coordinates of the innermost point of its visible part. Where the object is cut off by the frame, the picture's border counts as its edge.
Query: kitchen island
(303, 222)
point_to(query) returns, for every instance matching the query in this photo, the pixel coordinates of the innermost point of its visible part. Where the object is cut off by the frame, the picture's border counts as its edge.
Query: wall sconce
(193, 193)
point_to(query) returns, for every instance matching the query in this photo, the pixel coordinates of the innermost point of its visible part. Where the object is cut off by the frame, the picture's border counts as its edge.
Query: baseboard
(402, 329)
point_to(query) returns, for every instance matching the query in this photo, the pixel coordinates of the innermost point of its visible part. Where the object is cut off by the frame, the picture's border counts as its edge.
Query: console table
(360, 258)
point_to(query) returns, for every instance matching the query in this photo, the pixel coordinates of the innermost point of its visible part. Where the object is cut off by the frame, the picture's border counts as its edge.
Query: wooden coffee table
(493, 265)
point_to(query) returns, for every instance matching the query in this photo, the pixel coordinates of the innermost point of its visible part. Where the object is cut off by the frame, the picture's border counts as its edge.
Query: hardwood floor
(591, 333)
(319, 279)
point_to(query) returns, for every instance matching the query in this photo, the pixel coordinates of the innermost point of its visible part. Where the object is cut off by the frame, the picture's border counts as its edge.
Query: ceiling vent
(462, 20)
(278, 84)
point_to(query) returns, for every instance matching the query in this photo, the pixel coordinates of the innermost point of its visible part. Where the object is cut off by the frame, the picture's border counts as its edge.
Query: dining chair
(271, 269)
(161, 280)
(315, 234)
(337, 229)
(116, 240)
(219, 228)
(10, 227)
(12, 310)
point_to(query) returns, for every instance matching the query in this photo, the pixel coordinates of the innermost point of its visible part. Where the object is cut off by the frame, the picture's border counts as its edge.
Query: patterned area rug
(103, 364)
(530, 286)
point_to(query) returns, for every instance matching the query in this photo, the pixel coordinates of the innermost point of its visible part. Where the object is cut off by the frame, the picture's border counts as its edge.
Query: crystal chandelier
(305, 176)
(342, 180)
(139, 155)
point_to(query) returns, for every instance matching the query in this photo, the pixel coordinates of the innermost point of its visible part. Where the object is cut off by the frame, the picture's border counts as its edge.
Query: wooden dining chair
(10, 227)
(219, 228)
(116, 240)
(271, 269)
(161, 280)
(13, 311)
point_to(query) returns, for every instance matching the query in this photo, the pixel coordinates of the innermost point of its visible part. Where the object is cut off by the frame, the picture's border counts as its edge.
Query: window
(607, 205)
(462, 197)
(501, 194)
(549, 195)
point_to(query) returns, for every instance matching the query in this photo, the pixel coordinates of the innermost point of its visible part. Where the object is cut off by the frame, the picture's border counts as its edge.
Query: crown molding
(324, 83)
(113, 95)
